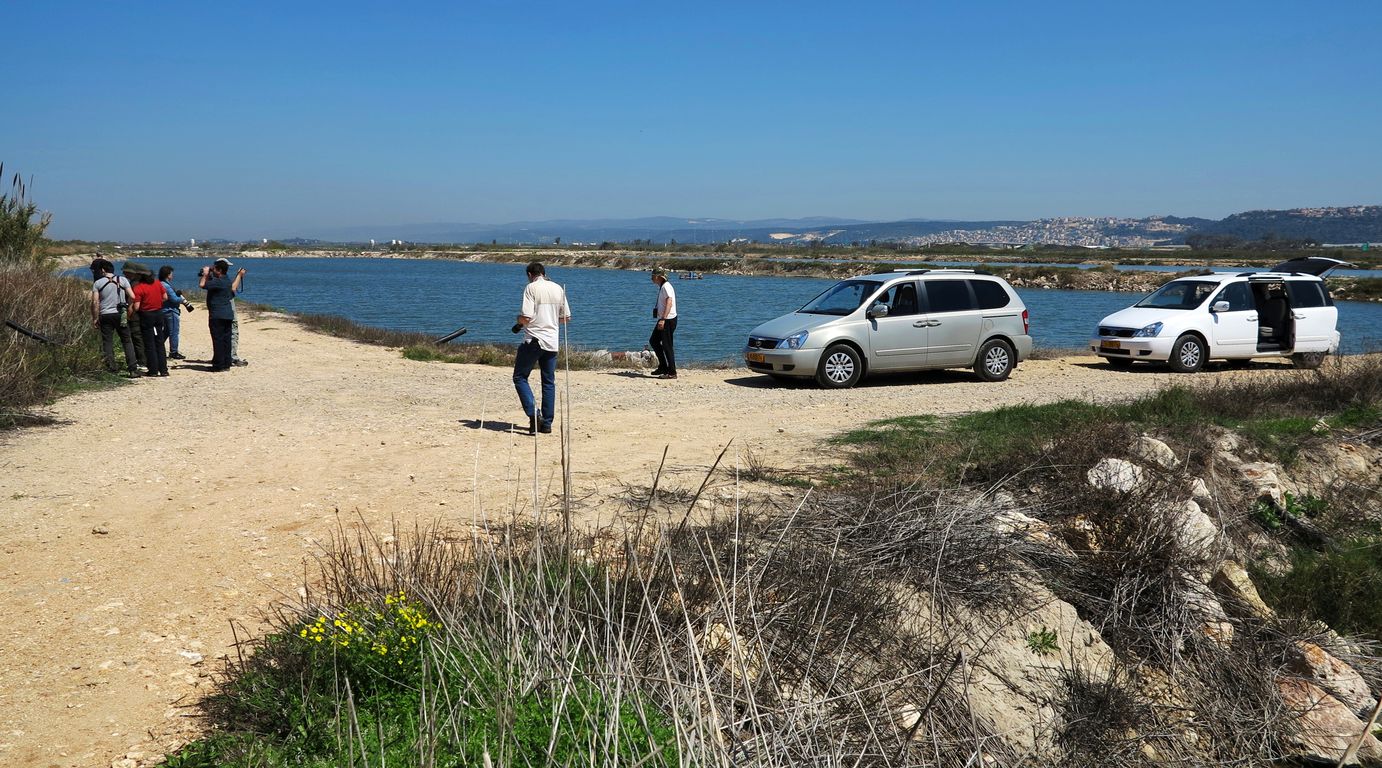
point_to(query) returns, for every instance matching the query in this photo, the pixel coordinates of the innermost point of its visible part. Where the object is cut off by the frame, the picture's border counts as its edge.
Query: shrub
(1341, 587)
(32, 371)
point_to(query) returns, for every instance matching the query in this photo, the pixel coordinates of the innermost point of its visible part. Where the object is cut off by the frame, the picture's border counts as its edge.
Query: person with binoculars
(544, 308)
(220, 289)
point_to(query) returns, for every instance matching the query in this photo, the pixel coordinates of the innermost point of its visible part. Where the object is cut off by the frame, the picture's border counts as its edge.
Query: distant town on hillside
(1353, 225)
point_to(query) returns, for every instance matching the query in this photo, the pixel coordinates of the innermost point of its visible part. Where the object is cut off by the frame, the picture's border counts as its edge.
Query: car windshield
(841, 298)
(1179, 294)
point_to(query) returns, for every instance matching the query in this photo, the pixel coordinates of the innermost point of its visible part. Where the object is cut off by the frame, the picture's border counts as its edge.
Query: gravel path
(155, 515)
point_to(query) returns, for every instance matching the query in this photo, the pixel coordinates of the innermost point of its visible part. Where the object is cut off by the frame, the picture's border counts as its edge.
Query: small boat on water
(691, 276)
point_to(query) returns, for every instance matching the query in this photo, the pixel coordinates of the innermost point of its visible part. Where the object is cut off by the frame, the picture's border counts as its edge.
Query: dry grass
(31, 371)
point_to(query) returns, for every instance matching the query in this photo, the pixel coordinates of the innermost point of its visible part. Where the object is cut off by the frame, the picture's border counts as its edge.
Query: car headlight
(794, 341)
(1147, 331)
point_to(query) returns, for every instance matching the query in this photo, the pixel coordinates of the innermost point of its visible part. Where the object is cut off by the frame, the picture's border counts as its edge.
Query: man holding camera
(220, 289)
(544, 308)
(112, 301)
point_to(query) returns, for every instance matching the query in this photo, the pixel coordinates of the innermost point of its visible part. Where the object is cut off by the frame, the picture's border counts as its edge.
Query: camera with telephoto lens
(516, 328)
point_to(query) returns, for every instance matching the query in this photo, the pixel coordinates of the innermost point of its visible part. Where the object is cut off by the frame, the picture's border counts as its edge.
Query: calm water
(612, 309)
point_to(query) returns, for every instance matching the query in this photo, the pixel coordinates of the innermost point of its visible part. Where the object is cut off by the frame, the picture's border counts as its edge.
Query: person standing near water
(173, 302)
(235, 358)
(112, 301)
(148, 295)
(220, 289)
(543, 309)
(665, 313)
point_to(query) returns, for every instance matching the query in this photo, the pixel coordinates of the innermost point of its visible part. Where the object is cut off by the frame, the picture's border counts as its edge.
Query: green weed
(1341, 587)
(1042, 641)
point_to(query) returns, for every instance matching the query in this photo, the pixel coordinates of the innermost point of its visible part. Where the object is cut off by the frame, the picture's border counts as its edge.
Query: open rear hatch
(1318, 266)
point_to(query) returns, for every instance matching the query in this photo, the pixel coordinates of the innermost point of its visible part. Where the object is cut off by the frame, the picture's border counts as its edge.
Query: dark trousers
(220, 344)
(110, 325)
(154, 327)
(661, 342)
(530, 353)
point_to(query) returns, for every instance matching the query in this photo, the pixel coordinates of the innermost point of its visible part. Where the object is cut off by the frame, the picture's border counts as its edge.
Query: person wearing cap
(665, 313)
(543, 309)
(235, 358)
(112, 301)
(220, 289)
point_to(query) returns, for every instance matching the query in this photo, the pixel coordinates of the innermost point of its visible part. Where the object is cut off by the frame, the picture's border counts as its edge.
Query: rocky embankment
(1310, 692)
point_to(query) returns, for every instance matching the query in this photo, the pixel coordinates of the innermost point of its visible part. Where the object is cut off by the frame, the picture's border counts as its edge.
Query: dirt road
(156, 514)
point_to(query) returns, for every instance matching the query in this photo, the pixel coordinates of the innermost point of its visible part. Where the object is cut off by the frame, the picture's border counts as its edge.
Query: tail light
(1026, 324)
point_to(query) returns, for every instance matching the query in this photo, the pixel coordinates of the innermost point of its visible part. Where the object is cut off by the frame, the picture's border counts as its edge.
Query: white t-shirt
(666, 301)
(544, 304)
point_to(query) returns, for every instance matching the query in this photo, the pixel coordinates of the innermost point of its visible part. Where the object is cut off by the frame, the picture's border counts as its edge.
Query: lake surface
(612, 309)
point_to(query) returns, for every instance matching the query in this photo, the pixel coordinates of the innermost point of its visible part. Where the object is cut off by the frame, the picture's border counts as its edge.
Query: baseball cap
(223, 262)
(659, 272)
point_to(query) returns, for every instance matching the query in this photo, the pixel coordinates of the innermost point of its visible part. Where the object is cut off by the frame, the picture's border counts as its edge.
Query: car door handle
(1297, 315)
(933, 323)
(920, 324)
(1252, 318)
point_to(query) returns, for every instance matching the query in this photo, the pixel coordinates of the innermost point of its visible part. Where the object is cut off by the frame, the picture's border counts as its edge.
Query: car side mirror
(1219, 306)
(879, 309)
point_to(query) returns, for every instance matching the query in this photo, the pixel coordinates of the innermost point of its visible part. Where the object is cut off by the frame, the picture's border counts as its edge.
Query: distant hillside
(1356, 224)
(1325, 225)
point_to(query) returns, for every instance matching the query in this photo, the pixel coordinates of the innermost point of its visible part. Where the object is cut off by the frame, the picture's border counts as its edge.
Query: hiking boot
(177, 356)
(238, 363)
(532, 426)
(545, 429)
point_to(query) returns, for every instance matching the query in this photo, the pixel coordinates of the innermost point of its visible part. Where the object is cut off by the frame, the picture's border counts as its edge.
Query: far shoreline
(1092, 275)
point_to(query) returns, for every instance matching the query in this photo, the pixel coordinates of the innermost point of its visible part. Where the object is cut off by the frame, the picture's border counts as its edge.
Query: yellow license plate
(1110, 345)
(757, 357)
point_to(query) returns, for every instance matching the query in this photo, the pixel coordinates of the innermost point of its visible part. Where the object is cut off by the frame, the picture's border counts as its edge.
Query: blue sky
(200, 119)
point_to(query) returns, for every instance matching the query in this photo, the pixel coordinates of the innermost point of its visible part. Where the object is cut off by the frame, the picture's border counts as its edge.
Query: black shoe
(545, 429)
(657, 372)
(177, 356)
(668, 376)
(238, 363)
(162, 373)
(532, 426)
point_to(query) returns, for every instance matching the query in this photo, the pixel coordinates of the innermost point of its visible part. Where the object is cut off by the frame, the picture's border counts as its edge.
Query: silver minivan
(906, 320)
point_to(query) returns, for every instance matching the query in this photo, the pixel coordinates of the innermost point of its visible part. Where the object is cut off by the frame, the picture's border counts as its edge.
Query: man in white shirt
(544, 308)
(665, 312)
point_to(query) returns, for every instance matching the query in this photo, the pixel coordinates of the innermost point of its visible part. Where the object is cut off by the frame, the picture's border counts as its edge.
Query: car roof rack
(942, 271)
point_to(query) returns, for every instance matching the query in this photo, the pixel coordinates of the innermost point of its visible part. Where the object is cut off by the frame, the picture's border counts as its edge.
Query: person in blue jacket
(172, 303)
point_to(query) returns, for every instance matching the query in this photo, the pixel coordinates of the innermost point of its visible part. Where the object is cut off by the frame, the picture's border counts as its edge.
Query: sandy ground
(158, 514)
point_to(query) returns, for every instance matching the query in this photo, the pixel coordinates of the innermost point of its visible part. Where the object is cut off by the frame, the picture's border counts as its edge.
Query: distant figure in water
(543, 309)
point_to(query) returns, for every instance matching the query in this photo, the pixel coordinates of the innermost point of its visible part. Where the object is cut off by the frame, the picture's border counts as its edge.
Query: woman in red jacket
(149, 297)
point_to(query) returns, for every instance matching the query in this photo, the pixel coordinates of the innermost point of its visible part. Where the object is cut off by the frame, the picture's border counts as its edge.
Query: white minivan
(905, 320)
(1286, 312)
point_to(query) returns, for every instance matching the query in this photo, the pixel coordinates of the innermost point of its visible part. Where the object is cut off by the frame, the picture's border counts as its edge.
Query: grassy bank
(819, 632)
(421, 346)
(1278, 410)
(33, 372)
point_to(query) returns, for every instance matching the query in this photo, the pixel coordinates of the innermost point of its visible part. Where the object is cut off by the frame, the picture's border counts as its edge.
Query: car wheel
(1307, 360)
(1187, 354)
(840, 367)
(1121, 363)
(995, 360)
